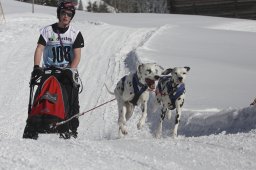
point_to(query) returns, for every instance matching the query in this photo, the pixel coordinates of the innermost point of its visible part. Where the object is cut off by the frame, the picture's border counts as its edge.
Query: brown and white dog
(170, 95)
(133, 89)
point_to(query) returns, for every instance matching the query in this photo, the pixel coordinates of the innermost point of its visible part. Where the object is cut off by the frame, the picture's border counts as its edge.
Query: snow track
(209, 138)
(114, 48)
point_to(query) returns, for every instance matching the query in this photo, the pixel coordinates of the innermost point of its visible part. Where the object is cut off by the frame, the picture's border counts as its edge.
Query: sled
(47, 105)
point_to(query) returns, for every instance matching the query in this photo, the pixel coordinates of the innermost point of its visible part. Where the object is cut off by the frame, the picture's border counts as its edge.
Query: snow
(217, 129)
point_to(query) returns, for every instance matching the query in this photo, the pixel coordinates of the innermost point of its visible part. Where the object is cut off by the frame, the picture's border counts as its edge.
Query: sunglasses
(63, 13)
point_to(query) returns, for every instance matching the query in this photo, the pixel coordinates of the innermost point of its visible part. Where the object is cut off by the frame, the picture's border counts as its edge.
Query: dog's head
(179, 74)
(148, 73)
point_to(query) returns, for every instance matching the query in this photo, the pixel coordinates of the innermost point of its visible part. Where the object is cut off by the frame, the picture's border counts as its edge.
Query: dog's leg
(158, 133)
(177, 119)
(169, 114)
(121, 119)
(144, 110)
(129, 110)
(157, 102)
(143, 116)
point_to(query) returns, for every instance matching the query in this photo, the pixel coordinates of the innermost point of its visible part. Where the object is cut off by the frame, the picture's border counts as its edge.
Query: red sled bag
(48, 105)
(49, 100)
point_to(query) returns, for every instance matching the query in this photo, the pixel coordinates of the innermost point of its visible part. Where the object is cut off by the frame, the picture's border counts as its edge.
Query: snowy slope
(217, 129)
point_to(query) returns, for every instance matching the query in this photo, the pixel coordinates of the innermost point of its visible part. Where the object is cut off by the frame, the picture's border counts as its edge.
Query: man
(60, 45)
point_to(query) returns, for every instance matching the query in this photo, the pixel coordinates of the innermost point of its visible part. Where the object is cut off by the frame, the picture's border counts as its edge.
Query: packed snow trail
(113, 44)
(110, 51)
(108, 60)
(210, 138)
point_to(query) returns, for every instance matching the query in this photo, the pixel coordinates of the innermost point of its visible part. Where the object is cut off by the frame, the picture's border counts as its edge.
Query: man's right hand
(37, 71)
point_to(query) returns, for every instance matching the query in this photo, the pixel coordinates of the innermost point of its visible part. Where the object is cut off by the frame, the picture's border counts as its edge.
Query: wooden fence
(224, 8)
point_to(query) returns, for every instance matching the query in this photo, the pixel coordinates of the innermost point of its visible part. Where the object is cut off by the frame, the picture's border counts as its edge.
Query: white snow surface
(217, 129)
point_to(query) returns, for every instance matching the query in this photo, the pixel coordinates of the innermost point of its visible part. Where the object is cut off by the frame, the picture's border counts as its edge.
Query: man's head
(66, 9)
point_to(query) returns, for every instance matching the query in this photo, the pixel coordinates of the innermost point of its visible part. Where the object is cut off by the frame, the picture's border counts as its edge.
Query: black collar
(57, 29)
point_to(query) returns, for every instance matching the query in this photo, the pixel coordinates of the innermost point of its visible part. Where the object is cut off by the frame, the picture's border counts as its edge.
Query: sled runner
(49, 104)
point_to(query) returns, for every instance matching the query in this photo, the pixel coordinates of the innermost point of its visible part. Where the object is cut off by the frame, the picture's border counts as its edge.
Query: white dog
(132, 90)
(170, 95)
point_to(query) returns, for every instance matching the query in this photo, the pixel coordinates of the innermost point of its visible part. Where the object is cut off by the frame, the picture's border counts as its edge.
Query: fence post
(2, 18)
(235, 10)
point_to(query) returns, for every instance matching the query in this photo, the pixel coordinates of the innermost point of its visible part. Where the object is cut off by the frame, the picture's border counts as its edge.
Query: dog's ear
(161, 68)
(187, 68)
(167, 71)
(139, 67)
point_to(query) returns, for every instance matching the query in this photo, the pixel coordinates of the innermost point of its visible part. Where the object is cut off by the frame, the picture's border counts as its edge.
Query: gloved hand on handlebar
(72, 75)
(37, 71)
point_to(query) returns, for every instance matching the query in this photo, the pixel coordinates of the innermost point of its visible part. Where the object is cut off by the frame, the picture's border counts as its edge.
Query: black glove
(71, 75)
(37, 71)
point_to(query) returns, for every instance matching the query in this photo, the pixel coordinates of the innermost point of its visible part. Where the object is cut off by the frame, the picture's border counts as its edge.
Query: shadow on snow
(197, 124)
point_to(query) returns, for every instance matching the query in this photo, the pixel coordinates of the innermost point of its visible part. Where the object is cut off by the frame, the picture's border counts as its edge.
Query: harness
(173, 92)
(138, 88)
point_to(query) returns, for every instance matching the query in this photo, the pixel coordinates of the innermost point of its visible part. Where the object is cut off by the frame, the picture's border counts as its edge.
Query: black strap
(178, 90)
(62, 46)
(138, 92)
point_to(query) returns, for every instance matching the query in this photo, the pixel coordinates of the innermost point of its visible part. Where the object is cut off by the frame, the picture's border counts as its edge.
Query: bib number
(60, 54)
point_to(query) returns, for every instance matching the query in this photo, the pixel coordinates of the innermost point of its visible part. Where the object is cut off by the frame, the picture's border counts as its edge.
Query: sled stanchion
(30, 98)
(54, 125)
(32, 84)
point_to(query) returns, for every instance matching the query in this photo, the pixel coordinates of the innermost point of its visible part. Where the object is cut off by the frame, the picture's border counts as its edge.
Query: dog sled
(49, 103)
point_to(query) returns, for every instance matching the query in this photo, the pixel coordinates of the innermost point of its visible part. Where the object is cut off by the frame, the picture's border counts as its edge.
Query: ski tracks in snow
(108, 52)
(18, 42)
(105, 59)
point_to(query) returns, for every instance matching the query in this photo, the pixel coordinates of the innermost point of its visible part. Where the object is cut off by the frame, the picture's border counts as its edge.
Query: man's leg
(75, 109)
(30, 131)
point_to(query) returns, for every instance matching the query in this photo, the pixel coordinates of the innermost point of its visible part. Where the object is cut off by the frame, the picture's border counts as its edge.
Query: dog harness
(173, 92)
(138, 88)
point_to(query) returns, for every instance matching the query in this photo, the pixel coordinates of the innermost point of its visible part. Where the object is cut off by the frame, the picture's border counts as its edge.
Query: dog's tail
(110, 92)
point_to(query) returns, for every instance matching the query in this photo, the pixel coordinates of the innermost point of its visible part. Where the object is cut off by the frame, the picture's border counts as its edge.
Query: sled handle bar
(50, 70)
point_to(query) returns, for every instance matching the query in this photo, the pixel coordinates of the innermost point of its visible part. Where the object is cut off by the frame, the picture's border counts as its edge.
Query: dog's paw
(123, 131)
(174, 136)
(139, 125)
(158, 135)
(158, 132)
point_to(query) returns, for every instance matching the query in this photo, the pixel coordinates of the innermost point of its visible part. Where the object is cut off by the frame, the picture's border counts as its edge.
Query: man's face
(65, 17)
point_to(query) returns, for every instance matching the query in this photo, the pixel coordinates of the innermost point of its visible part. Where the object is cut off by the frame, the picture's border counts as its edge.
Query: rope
(54, 125)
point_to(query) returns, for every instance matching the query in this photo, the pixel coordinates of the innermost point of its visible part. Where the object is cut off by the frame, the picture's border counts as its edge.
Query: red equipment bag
(49, 100)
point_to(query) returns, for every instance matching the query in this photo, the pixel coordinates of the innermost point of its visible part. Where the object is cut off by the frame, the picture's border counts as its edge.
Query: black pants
(74, 107)
(72, 92)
